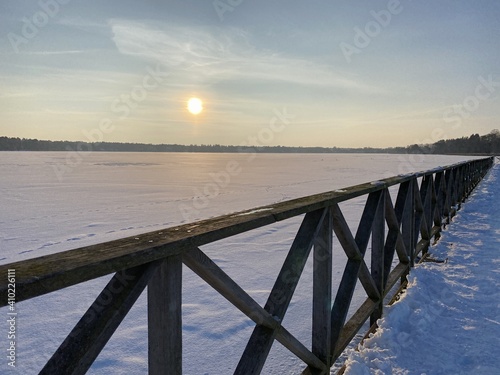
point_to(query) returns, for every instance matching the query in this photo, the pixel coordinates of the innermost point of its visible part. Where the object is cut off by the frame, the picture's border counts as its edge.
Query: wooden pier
(405, 229)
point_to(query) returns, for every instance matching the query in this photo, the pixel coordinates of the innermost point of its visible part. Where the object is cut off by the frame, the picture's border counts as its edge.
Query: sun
(195, 106)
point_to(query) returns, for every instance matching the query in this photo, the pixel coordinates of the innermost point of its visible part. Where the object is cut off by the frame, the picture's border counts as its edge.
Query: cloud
(215, 55)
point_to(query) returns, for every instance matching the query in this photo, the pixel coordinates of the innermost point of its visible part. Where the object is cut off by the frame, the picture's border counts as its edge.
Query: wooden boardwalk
(404, 229)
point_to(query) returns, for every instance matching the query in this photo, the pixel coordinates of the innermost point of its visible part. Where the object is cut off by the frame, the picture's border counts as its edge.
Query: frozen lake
(57, 201)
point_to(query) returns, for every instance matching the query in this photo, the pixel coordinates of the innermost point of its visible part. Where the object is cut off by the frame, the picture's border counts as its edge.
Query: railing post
(462, 175)
(83, 345)
(322, 291)
(262, 338)
(448, 179)
(426, 200)
(377, 256)
(440, 199)
(165, 319)
(408, 223)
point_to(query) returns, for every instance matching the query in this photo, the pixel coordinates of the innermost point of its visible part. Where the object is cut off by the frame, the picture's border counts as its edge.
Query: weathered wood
(322, 291)
(453, 186)
(394, 218)
(460, 185)
(344, 234)
(394, 240)
(419, 218)
(82, 346)
(433, 206)
(214, 276)
(353, 326)
(299, 349)
(439, 192)
(204, 267)
(352, 251)
(264, 336)
(408, 223)
(368, 282)
(421, 247)
(448, 179)
(425, 199)
(365, 224)
(377, 255)
(395, 275)
(258, 347)
(343, 300)
(165, 318)
(401, 199)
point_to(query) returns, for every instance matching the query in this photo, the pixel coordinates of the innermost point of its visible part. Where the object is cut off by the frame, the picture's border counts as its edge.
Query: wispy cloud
(216, 55)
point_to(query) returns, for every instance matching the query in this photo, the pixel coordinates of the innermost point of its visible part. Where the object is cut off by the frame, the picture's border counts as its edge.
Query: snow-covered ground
(448, 321)
(58, 201)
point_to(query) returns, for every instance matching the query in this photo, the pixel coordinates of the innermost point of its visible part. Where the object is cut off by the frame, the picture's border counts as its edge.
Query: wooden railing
(425, 202)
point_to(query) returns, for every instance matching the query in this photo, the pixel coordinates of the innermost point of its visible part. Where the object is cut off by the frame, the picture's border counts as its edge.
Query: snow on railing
(425, 202)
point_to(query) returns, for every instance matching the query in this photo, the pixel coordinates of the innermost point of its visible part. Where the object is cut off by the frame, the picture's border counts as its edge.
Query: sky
(293, 73)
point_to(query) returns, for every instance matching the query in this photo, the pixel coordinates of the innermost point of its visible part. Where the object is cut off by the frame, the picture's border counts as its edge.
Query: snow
(448, 321)
(106, 196)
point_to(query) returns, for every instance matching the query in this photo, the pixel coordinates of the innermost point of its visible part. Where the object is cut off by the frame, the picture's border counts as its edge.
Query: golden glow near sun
(195, 106)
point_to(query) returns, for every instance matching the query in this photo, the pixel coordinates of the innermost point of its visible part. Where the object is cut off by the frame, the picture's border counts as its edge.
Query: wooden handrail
(404, 228)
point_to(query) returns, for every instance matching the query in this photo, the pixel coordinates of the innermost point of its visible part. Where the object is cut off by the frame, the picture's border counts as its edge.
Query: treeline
(475, 144)
(24, 144)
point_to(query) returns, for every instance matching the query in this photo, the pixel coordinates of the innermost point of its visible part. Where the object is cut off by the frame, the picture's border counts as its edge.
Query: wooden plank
(453, 186)
(365, 225)
(422, 247)
(56, 271)
(393, 241)
(344, 235)
(448, 179)
(400, 270)
(322, 291)
(256, 351)
(351, 249)
(419, 216)
(352, 327)
(377, 255)
(204, 267)
(214, 276)
(294, 264)
(258, 347)
(364, 228)
(460, 186)
(425, 198)
(433, 205)
(394, 218)
(82, 346)
(165, 318)
(368, 283)
(439, 192)
(408, 224)
(264, 335)
(343, 300)
(299, 349)
(401, 200)
(351, 273)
